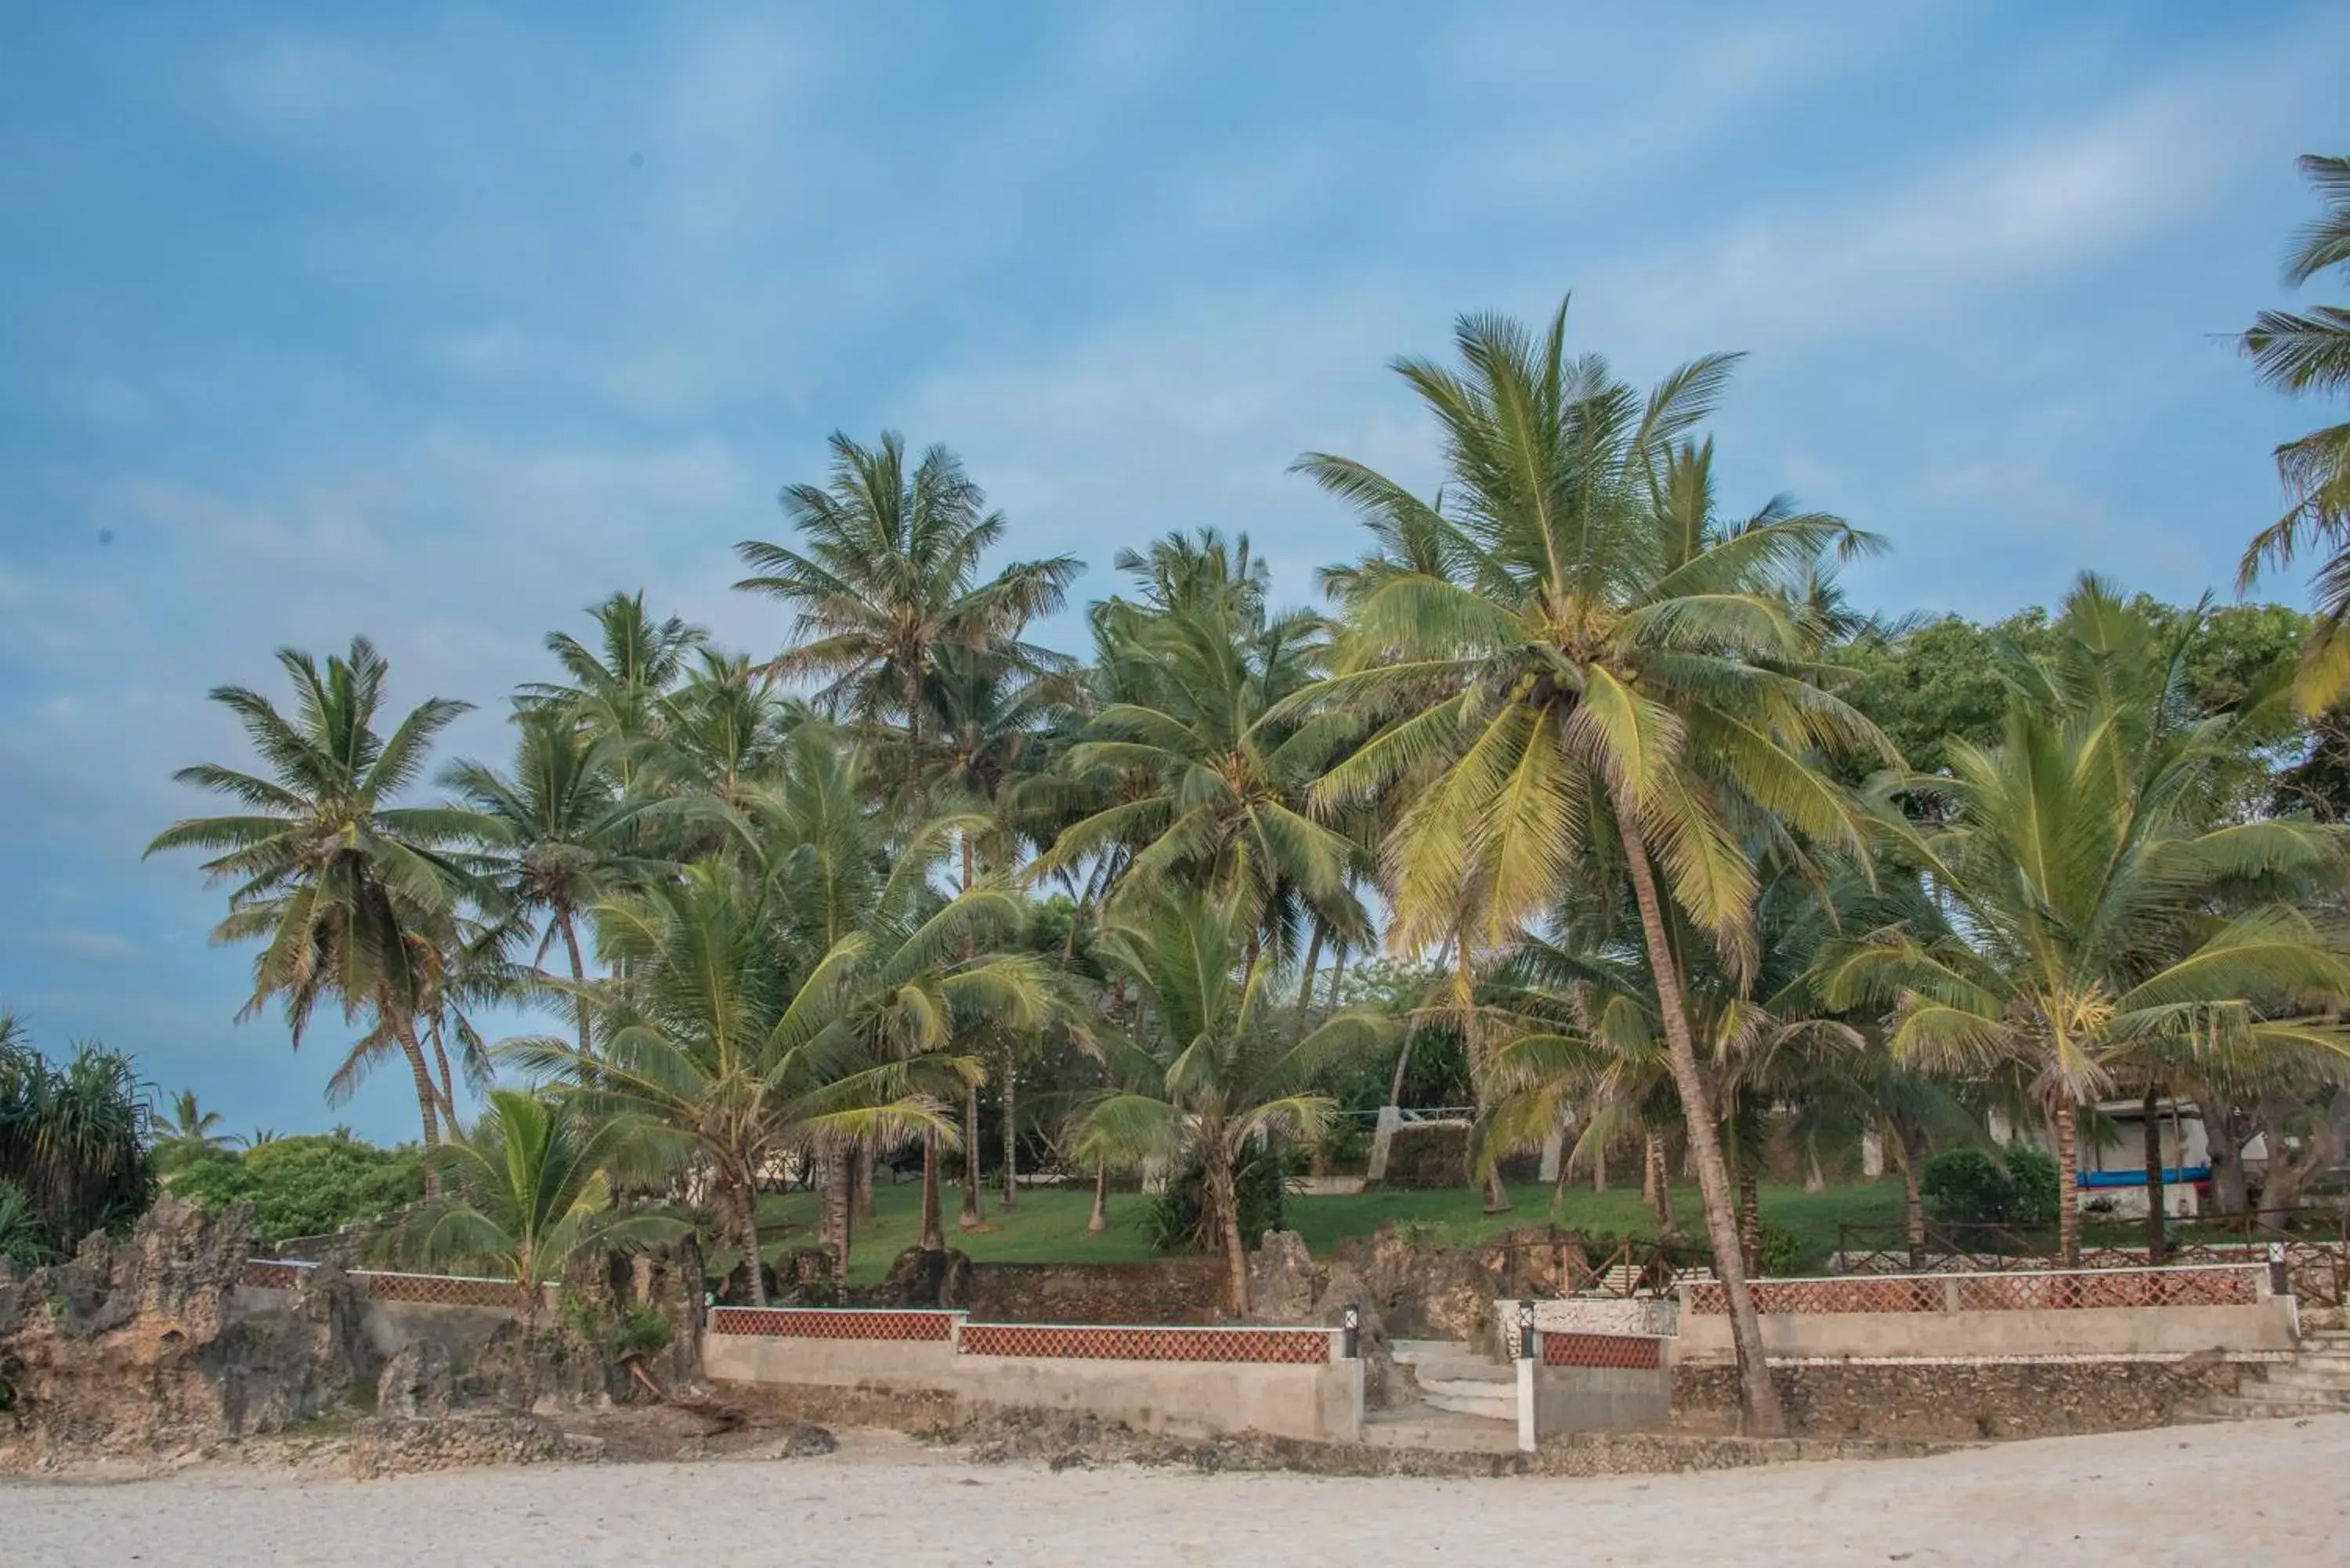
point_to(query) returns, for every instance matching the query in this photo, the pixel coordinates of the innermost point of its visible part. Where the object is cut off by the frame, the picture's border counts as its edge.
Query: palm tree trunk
(2062, 1118)
(1909, 1143)
(934, 1235)
(861, 1173)
(1100, 1219)
(1010, 1129)
(836, 1206)
(428, 1098)
(1656, 1190)
(1750, 1219)
(2151, 1108)
(973, 1216)
(1757, 1395)
(578, 978)
(747, 1224)
(1600, 1165)
(1224, 1194)
(1337, 976)
(1305, 982)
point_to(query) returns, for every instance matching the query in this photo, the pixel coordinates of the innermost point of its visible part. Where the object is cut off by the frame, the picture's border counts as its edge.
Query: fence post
(1529, 1360)
(1949, 1292)
(2279, 1283)
(1526, 1330)
(1351, 1322)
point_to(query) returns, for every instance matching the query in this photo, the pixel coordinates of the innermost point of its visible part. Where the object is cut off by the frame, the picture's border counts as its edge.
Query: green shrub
(2037, 1196)
(1781, 1252)
(2014, 1186)
(307, 1185)
(1177, 1218)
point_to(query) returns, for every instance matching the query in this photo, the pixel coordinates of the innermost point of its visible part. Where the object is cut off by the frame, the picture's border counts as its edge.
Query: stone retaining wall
(1945, 1401)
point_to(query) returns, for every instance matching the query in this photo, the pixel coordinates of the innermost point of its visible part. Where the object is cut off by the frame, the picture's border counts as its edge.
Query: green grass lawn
(1049, 1224)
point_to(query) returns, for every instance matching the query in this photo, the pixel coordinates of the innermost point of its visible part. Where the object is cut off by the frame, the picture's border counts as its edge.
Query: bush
(2016, 1186)
(1177, 1218)
(2038, 1200)
(308, 1186)
(1781, 1252)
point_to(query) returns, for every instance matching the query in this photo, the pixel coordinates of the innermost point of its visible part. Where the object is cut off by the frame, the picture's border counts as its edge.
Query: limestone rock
(805, 1440)
(927, 1277)
(417, 1382)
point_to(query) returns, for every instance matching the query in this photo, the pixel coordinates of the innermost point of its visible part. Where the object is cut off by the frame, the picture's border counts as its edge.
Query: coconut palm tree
(344, 889)
(555, 834)
(1215, 780)
(1574, 653)
(526, 1192)
(800, 996)
(187, 1132)
(2090, 934)
(616, 687)
(2309, 351)
(887, 577)
(1215, 1073)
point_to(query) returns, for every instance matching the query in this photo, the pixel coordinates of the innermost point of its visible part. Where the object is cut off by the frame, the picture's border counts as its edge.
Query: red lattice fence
(2196, 1285)
(384, 1285)
(821, 1322)
(1286, 1346)
(1639, 1352)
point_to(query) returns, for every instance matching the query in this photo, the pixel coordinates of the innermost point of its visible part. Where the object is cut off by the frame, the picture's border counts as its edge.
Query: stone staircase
(2316, 1381)
(1452, 1400)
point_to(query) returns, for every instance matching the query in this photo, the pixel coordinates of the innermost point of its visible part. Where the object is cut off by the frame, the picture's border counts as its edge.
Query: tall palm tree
(1215, 1073)
(617, 685)
(556, 832)
(527, 1190)
(343, 887)
(1591, 661)
(888, 575)
(2089, 933)
(2309, 351)
(1216, 775)
(997, 720)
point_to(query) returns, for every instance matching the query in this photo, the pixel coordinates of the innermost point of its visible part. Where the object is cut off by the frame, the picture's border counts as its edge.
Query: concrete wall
(2082, 1331)
(391, 1326)
(1601, 1398)
(1186, 1398)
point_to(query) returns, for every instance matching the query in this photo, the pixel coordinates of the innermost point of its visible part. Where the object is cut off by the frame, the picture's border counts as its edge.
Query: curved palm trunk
(1760, 1398)
(428, 1096)
(934, 1235)
(1599, 1168)
(1305, 982)
(1750, 1220)
(2151, 1142)
(1100, 1219)
(2063, 1119)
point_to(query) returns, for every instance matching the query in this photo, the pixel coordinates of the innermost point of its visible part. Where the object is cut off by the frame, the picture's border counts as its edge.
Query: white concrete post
(1527, 1404)
(1382, 1135)
(1872, 1154)
(1553, 1153)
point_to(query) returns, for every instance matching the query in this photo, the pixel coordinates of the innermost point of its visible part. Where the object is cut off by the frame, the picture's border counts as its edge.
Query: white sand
(2270, 1493)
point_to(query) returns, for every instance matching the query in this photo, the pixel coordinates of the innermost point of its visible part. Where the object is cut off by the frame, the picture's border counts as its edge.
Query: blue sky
(438, 325)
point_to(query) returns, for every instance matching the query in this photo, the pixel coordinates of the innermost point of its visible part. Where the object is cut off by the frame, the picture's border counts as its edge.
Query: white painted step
(1453, 1377)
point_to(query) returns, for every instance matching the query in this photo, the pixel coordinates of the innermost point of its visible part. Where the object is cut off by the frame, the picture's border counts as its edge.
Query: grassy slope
(1049, 1225)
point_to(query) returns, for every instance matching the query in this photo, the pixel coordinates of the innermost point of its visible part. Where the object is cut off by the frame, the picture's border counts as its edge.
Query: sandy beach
(2266, 1492)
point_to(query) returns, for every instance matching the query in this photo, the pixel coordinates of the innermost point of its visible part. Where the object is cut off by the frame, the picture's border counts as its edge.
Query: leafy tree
(308, 1184)
(2309, 351)
(347, 892)
(1571, 651)
(73, 1150)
